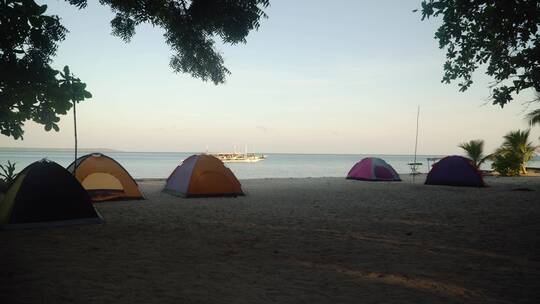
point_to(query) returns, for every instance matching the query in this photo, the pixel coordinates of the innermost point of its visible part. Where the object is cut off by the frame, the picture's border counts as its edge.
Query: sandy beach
(313, 240)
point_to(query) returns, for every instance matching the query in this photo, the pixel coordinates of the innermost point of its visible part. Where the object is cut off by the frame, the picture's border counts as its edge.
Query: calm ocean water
(160, 164)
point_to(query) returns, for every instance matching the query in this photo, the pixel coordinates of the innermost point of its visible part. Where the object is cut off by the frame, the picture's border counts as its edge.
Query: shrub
(7, 173)
(516, 150)
(507, 164)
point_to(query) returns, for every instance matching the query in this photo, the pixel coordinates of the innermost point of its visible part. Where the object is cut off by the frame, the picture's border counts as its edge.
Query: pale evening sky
(315, 78)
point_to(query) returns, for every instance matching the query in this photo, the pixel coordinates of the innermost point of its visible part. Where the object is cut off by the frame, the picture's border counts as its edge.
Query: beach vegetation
(514, 153)
(506, 164)
(502, 36)
(533, 117)
(7, 175)
(31, 89)
(475, 151)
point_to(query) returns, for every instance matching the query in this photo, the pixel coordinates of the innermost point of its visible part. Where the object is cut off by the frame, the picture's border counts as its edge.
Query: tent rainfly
(373, 169)
(201, 176)
(44, 194)
(104, 178)
(455, 171)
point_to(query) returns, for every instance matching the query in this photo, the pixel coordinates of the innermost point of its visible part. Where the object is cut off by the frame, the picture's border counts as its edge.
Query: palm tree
(517, 144)
(475, 151)
(533, 117)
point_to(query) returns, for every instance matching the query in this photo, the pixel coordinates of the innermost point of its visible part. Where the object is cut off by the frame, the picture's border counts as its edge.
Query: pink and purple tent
(373, 169)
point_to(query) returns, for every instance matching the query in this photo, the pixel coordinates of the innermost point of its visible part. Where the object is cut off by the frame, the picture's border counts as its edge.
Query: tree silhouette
(30, 89)
(501, 34)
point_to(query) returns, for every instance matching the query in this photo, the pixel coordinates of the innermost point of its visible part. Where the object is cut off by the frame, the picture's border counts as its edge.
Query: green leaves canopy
(30, 89)
(191, 27)
(502, 34)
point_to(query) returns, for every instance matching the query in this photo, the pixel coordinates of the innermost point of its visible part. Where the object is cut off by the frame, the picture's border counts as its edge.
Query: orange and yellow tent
(104, 178)
(203, 175)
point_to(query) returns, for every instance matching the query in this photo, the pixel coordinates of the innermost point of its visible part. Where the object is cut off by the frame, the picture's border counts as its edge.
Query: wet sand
(314, 240)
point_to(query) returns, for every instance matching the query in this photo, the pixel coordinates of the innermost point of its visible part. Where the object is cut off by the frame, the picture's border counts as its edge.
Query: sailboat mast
(416, 143)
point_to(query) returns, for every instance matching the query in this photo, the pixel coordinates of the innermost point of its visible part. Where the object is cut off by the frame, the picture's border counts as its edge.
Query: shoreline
(160, 166)
(404, 177)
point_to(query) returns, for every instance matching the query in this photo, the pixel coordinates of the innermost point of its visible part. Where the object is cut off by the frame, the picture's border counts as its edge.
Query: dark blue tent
(44, 194)
(455, 171)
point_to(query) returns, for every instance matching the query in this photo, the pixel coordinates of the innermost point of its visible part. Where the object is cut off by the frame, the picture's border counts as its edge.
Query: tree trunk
(75, 131)
(523, 169)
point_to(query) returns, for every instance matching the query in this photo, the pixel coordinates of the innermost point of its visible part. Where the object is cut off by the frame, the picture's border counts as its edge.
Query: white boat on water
(238, 157)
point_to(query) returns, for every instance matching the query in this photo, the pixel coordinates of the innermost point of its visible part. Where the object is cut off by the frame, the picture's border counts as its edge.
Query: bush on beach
(7, 175)
(515, 151)
(506, 164)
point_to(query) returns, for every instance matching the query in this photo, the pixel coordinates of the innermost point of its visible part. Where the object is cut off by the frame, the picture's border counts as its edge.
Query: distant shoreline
(7, 149)
(10, 149)
(535, 158)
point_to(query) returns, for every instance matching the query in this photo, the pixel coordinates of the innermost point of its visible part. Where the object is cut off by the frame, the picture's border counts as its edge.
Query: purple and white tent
(373, 169)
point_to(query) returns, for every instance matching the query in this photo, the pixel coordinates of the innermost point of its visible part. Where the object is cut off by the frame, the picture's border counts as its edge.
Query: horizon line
(97, 150)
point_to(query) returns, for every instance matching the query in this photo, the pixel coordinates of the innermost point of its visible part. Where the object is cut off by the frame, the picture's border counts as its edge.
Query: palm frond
(533, 117)
(474, 150)
(517, 144)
